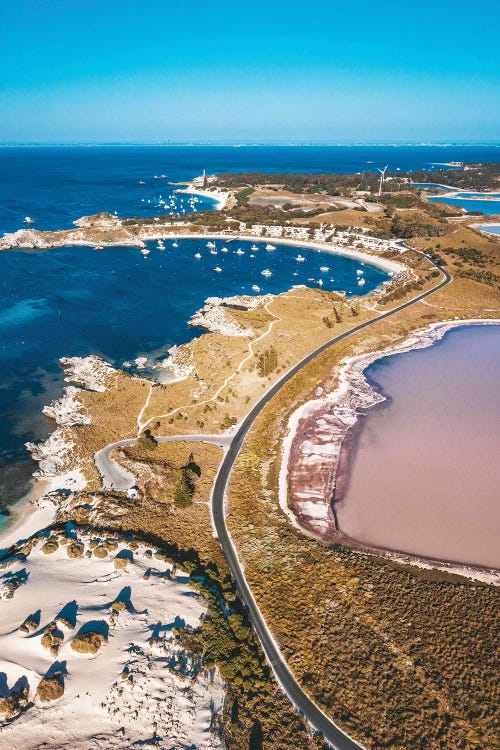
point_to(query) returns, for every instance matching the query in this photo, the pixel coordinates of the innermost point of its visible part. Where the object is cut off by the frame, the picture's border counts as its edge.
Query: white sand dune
(140, 686)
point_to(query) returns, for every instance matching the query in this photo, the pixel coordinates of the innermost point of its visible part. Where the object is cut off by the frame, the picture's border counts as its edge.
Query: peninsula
(214, 483)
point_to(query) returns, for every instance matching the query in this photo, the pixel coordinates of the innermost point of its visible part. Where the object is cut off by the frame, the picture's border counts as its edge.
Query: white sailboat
(255, 288)
(300, 258)
(266, 272)
(270, 247)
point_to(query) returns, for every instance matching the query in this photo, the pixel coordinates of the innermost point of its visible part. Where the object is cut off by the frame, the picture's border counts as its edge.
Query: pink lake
(424, 468)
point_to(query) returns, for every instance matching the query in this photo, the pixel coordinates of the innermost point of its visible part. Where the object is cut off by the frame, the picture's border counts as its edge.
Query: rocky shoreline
(312, 450)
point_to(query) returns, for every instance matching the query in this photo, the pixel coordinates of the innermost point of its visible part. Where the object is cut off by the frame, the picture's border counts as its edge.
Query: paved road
(322, 723)
(116, 477)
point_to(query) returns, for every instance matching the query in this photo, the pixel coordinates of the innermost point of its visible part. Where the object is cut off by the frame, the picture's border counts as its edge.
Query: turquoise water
(477, 195)
(494, 229)
(120, 305)
(471, 206)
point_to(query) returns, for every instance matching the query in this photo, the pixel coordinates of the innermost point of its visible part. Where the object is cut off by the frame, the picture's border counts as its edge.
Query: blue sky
(323, 70)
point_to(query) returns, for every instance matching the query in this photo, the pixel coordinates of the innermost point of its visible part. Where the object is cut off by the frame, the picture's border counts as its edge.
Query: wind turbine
(382, 178)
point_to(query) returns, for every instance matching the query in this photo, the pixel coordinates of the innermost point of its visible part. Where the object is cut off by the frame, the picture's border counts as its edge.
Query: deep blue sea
(56, 185)
(116, 303)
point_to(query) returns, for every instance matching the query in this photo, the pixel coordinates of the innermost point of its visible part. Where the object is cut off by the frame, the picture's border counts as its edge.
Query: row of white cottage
(359, 238)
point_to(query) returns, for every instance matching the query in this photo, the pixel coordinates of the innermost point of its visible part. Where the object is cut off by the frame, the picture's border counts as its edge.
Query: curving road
(116, 477)
(335, 737)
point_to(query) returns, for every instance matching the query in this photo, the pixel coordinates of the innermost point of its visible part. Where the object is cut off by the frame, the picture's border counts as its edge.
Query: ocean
(56, 185)
(115, 303)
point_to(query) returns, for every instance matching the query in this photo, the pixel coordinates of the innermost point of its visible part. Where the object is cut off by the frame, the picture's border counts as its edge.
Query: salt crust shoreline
(353, 396)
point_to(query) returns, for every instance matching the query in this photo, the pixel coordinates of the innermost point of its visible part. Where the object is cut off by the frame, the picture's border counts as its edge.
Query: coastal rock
(177, 366)
(91, 373)
(215, 318)
(102, 220)
(240, 301)
(51, 454)
(67, 410)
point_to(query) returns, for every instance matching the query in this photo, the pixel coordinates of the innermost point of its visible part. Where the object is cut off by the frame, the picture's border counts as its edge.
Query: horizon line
(250, 143)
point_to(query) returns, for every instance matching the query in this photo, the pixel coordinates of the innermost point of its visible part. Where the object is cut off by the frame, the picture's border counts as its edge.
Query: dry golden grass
(397, 657)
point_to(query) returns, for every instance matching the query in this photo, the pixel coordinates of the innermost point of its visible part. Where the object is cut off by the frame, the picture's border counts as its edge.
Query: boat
(324, 269)
(224, 250)
(359, 272)
(141, 182)
(213, 252)
(239, 251)
(98, 247)
(270, 247)
(28, 220)
(211, 244)
(300, 258)
(361, 281)
(266, 272)
(218, 269)
(252, 255)
(175, 244)
(255, 288)
(254, 248)
(197, 255)
(145, 251)
(160, 245)
(320, 282)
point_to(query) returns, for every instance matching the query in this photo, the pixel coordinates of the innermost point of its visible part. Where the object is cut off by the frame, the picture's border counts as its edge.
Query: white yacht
(224, 250)
(361, 281)
(211, 244)
(145, 251)
(160, 245)
(218, 269)
(175, 243)
(255, 288)
(300, 258)
(213, 252)
(266, 272)
(324, 269)
(320, 282)
(254, 248)
(239, 251)
(270, 247)
(359, 272)
(197, 255)
(28, 220)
